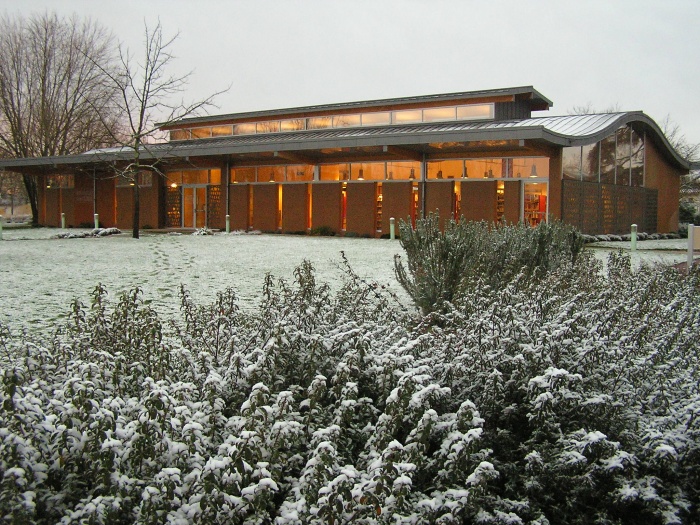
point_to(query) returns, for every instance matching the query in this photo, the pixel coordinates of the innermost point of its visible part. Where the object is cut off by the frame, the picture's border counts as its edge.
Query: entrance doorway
(194, 206)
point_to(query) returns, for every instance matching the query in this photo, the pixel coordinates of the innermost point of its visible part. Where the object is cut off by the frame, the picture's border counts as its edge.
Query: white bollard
(97, 221)
(63, 221)
(693, 243)
(634, 237)
(392, 228)
(1, 219)
(228, 224)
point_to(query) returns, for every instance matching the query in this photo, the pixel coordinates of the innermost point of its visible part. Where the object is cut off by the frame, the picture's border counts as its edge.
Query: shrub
(441, 264)
(556, 399)
(324, 231)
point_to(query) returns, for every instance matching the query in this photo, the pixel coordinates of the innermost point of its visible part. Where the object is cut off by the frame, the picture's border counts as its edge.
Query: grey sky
(636, 54)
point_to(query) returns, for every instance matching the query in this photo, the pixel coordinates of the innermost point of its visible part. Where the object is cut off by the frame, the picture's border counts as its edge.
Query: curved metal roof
(571, 130)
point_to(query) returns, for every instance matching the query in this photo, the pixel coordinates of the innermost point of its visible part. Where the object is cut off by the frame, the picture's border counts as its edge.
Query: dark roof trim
(536, 96)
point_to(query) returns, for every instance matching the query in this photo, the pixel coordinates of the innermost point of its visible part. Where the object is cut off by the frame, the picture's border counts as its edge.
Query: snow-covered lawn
(40, 276)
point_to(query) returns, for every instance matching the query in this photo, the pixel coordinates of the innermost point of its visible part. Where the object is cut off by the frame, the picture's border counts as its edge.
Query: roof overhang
(415, 141)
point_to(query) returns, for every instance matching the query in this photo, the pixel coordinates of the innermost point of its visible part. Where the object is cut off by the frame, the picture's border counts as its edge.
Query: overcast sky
(632, 54)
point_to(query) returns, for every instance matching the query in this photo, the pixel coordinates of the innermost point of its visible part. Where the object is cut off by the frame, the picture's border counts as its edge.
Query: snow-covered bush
(554, 398)
(442, 263)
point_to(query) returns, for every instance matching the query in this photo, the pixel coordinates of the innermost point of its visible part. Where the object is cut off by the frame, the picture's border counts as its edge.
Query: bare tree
(148, 100)
(51, 81)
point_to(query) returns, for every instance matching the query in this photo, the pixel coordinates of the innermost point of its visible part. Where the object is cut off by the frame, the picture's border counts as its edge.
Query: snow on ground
(40, 276)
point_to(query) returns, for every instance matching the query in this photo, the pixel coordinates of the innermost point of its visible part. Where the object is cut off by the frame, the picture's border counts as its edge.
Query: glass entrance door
(194, 206)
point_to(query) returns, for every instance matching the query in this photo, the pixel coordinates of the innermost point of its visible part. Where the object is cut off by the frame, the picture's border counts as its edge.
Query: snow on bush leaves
(567, 398)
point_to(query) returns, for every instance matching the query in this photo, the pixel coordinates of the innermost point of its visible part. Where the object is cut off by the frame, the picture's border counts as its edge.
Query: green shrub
(572, 397)
(323, 231)
(441, 264)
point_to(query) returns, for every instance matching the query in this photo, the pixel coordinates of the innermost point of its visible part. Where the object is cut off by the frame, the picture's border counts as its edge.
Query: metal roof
(573, 130)
(444, 97)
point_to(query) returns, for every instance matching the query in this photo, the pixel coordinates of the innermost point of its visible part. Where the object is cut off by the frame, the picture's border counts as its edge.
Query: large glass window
(622, 156)
(242, 175)
(528, 167)
(637, 159)
(402, 170)
(293, 124)
(221, 131)
(590, 162)
(269, 126)
(446, 169)
(367, 171)
(271, 173)
(475, 112)
(318, 122)
(407, 116)
(376, 119)
(438, 114)
(344, 121)
(571, 163)
(201, 133)
(334, 172)
(244, 129)
(301, 172)
(607, 160)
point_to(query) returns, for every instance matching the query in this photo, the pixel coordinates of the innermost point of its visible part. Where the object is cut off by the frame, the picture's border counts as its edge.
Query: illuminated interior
(368, 118)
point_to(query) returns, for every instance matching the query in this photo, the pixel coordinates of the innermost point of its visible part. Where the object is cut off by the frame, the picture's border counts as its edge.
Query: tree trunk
(137, 210)
(30, 185)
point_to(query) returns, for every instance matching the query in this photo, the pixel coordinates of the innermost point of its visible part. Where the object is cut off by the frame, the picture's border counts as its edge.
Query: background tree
(51, 81)
(148, 99)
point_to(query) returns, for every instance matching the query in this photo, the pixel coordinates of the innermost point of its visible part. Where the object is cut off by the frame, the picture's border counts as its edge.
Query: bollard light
(392, 228)
(633, 237)
(228, 224)
(63, 221)
(97, 220)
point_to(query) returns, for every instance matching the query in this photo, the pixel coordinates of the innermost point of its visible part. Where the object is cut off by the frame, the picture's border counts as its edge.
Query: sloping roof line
(211, 119)
(572, 130)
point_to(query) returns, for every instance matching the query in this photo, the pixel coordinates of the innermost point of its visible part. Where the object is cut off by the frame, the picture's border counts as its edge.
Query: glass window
(622, 156)
(446, 169)
(215, 176)
(173, 177)
(269, 126)
(529, 167)
(437, 114)
(195, 177)
(589, 162)
(244, 129)
(293, 124)
(271, 173)
(637, 159)
(475, 112)
(367, 171)
(484, 168)
(300, 172)
(571, 163)
(221, 131)
(535, 202)
(179, 134)
(242, 175)
(402, 170)
(376, 119)
(407, 116)
(344, 121)
(318, 122)
(334, 171)
(607, 160)
(201, 133)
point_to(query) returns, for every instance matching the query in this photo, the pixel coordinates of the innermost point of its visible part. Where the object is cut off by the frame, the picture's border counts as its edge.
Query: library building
(348, 168)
